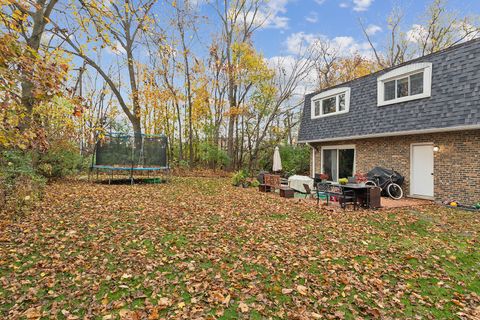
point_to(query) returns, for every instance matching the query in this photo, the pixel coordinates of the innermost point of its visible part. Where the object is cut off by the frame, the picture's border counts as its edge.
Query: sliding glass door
(338, 162)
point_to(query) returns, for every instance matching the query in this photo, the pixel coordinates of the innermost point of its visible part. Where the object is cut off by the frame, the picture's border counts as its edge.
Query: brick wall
(456, 165)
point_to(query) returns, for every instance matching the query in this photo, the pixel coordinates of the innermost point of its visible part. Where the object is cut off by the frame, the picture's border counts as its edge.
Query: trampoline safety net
(119, 150)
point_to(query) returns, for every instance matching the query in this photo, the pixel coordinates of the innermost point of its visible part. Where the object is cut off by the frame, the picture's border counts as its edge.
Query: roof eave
(396, 133)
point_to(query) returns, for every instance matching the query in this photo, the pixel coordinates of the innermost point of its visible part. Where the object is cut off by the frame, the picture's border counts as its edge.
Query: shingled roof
(454, 102)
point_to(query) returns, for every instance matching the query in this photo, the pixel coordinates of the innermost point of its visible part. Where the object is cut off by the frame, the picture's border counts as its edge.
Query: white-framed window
(410, 82)
(331, 102)
(338, 161)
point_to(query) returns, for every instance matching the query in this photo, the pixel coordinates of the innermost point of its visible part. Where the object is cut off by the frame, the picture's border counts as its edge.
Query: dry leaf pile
(199, 248)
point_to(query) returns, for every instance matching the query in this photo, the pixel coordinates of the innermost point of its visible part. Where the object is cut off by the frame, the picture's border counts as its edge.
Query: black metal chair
(323, 189)
(344, 196)
(348, 197)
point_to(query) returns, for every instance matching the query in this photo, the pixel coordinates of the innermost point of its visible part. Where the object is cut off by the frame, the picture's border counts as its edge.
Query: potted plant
(360, 178)
(324, 176)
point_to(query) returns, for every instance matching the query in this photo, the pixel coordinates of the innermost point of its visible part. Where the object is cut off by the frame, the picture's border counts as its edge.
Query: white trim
(397, 133)
(402, 72)
(330, 94)
(313, 161)
(339, 147)
(411, 171)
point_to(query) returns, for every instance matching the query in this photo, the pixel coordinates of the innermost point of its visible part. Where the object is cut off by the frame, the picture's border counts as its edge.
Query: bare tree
(325, 57)
(442, 29)
(291, 73)
(239, 19)
(123, 22)
(396, 47)
(437, 30)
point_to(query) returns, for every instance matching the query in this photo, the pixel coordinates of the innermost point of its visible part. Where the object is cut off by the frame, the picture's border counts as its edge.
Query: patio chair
(323, 189)
(348, 197)
(344, 196)
(308, 191)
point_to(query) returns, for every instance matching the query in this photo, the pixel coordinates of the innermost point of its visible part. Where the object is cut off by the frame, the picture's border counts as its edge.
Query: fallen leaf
(164, 302)
(243, 307)
(33, 313)
(302, 290)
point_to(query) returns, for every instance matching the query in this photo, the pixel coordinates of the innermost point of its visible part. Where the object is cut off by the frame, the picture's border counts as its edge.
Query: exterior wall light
(436, 148)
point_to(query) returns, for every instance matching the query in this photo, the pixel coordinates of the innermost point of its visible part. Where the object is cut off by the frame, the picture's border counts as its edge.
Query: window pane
(416, 83)
(402, 87)
(316, 111)
(389, 90)
(330, 164)
(329, 105)
(345, 163)
(341, 102)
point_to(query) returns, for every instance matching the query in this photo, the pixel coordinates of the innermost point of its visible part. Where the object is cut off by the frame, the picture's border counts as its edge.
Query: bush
(253, 182)
(62, 159)
(212, 154)
(240, 177)
(295, 159)
(20, 185)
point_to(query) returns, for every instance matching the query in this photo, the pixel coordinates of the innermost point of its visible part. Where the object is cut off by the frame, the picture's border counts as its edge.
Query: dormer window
(331, 102)
(406, 83)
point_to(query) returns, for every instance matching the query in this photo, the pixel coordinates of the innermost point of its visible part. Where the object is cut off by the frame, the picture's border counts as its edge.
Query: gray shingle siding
(455, 101)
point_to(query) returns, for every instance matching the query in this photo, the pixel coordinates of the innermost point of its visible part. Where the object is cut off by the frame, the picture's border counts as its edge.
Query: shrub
(295, 159)
(20, 185)
(62, 159)
(253, 182)
(183, 164)
(212, 154)
(239, 177)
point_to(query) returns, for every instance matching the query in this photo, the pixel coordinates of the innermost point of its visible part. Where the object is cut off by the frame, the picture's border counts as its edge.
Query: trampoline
(118, 153)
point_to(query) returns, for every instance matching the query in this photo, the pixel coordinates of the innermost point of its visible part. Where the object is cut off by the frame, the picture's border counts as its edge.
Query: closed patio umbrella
(277, 161)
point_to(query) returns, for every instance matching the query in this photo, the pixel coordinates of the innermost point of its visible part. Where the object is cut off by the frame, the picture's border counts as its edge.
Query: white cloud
(198, 2)
(299, 41)
(272, 15)
(468, 31)
(320, 2)
(416, 33)
(362, 5)
(312, 17)
(343, 5)
(284, 67)
(116, 49)
(344, 45)
(372, 29)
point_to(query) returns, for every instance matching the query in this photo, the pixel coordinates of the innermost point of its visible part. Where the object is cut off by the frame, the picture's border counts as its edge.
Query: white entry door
(421, 183)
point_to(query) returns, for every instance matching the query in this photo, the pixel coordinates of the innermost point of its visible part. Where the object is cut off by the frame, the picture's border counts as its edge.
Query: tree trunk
(231, 121)
(40, 19)
(180, 143)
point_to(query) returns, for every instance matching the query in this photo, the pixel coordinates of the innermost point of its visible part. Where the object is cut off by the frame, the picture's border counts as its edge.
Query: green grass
(99, 253)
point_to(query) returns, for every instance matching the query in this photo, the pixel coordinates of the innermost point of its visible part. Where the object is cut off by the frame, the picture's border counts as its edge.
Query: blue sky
(339, 18)
(294, 21)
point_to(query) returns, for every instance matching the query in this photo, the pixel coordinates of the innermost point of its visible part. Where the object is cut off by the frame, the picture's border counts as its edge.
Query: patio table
(362, 192)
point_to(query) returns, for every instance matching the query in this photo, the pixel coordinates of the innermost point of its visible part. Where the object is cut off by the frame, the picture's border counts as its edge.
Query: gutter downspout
(313, 159)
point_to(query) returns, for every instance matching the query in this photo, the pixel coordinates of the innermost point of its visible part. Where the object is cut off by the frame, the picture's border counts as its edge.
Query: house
(421, 118)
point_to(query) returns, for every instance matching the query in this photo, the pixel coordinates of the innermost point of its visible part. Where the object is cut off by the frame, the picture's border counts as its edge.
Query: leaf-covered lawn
(199, 248)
